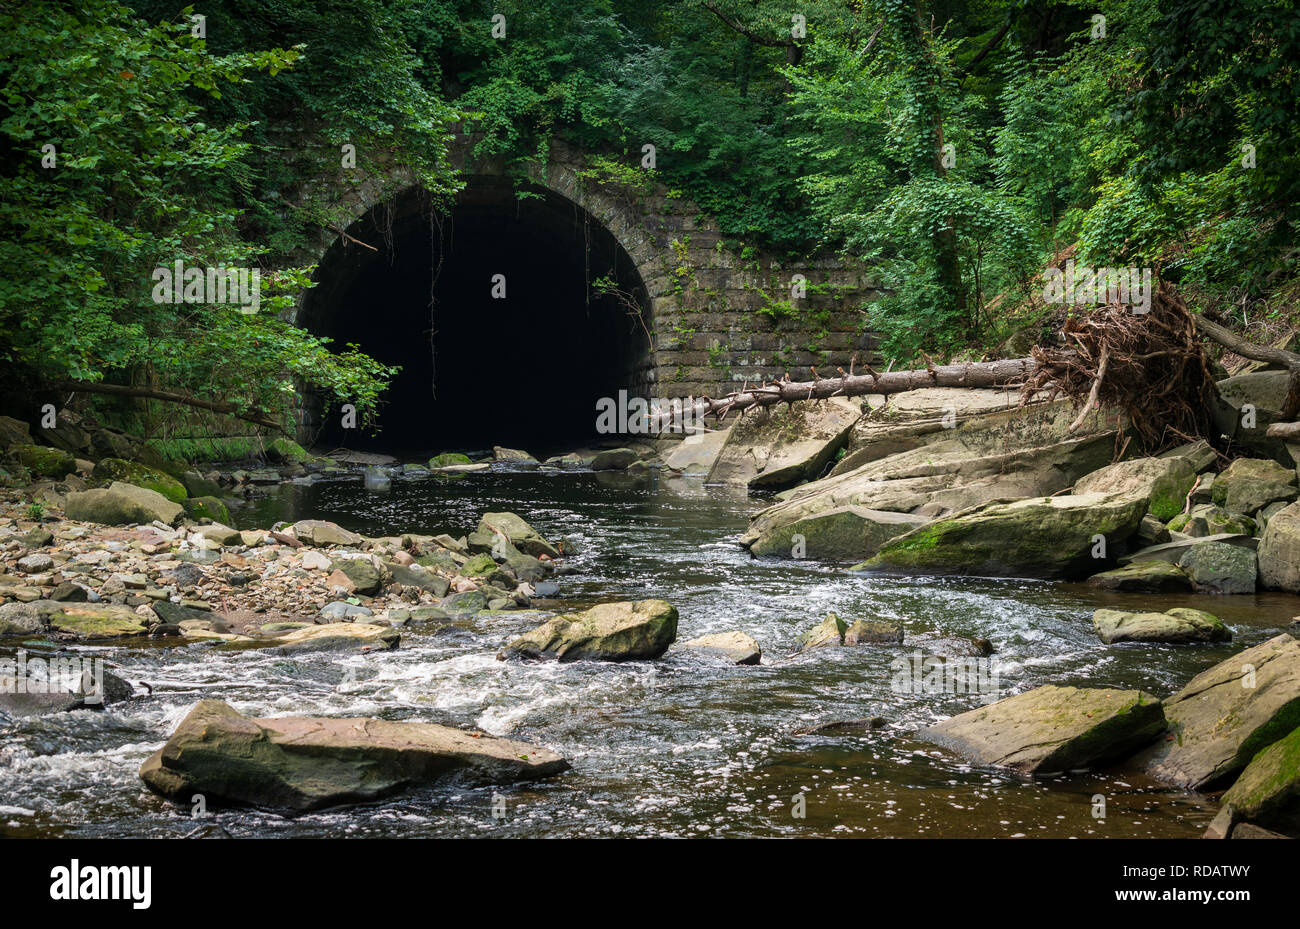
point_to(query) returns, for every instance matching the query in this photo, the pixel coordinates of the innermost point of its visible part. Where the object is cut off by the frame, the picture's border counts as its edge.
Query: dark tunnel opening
(522, 370)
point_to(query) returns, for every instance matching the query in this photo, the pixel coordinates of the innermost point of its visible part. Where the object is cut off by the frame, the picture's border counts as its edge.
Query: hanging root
(1151, 365)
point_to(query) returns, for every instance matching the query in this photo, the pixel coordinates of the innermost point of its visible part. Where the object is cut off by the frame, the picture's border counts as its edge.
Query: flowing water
(684, 745)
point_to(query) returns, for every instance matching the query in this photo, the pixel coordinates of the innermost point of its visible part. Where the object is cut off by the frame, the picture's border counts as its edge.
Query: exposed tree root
(1151, 365)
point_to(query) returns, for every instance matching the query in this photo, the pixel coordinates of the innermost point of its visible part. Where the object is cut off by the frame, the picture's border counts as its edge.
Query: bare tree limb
(257, 417)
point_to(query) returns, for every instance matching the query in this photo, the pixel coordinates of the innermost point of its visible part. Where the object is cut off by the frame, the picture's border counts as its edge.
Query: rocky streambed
(525, 648)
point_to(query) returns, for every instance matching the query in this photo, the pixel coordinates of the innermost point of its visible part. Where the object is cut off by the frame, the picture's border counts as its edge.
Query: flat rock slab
(1053, 729)
(736, 647)
(1173, 552)
(621, 631)
(1218, 722)
(305, 763)
(1175, 626)
(1144, 577)
(333, 637)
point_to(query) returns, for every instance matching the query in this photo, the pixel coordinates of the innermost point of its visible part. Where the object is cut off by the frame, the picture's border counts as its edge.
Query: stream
(686, 745)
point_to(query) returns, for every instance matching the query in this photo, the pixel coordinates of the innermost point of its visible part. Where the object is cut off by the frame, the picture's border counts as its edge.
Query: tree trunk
(1007, 373)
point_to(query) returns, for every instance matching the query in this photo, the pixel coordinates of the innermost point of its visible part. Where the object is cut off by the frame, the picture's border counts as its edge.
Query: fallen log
(1005, 373)
(257, 417)
(1266, 353)
(1288, 432)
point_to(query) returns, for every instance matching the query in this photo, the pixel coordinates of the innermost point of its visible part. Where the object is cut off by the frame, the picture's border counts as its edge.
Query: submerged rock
(609, 632)
(1052, 537)
(305, 763)
(736, 647)
(1227, 714)
(1174, 626)
(1053, 729)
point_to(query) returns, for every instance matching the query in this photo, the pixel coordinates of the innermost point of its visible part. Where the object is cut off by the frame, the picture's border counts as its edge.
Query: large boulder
(1175, 626)
(1250, 484)
(1165, 482)
(609, 632)
(108, 470)
(366, 577)
(517, 532)
(1220, 568)
(961, 471)
(847, 533)
(14, 432)
(121, 505)
(1053, 729)
(305, 763)
(695, 454)
(43, 461)
(1268, 791)
(773, 448)
(1227, 714)
(1279, 550)
(320, 533)
(1052, 537)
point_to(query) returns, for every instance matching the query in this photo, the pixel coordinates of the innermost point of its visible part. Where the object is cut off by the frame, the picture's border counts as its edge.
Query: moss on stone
(132, 472)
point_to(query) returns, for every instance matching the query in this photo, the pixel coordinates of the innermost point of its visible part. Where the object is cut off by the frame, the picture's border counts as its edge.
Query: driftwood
(1006, 373)
(257, 417)
(1278, 356)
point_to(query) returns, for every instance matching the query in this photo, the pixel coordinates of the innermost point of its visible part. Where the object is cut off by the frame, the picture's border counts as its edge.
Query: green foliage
(152, 163)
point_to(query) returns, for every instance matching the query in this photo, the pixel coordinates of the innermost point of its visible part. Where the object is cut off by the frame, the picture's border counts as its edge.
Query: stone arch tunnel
(694, 314)
(494, 312)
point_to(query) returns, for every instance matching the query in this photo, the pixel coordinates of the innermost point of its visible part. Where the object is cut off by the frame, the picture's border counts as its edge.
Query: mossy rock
(212, 508)
(479, 565)
(287, 451)
(196, 485)
(43, 461)
(132, 472)
(1268, 791)
(449, 458)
